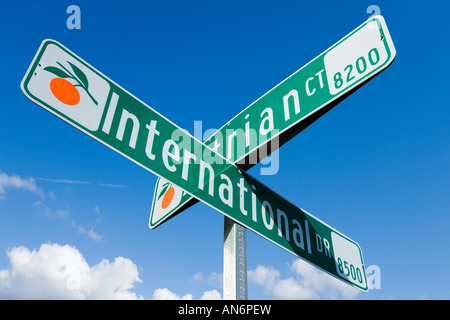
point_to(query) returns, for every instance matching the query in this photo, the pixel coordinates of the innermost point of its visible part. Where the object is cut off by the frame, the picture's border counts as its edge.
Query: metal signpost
(67, 86)
(234, 261)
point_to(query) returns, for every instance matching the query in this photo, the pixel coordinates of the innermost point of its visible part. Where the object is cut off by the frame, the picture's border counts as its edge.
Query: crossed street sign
(65, 85)
(290, 107)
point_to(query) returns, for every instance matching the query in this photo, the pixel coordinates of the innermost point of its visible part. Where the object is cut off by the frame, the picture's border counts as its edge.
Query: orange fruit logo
(66, 91)
(168, 191)
(168, 197)
(166, 200)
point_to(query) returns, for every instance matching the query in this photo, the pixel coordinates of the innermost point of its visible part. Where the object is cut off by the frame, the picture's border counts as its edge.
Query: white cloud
(263, 276)
(214, 279)
(291, 288)
(321, 282)
(111, 185)
(42, 208)
(198, 277)
(66, 181)
(16, 182)
(91, 233)
(69, 181)
(211, 295)
(166, 294)
(61, 272)
(304, 282)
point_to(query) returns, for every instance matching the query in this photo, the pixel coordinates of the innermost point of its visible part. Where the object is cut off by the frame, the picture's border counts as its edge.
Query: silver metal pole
(234, 261)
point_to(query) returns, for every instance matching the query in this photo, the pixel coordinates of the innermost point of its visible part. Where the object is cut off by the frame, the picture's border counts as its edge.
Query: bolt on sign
(68, 87)
(295, 103)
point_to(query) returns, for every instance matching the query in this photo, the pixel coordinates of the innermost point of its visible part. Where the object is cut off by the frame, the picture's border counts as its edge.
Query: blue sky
(74, 214)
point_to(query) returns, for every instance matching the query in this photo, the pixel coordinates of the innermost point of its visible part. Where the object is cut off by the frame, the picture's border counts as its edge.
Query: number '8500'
(350, 270)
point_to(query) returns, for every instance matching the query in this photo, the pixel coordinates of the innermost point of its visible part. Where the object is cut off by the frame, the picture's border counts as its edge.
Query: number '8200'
(357, 69)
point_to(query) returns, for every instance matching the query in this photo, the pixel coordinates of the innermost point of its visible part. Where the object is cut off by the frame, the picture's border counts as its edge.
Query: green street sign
(68, 87)
(294, 104)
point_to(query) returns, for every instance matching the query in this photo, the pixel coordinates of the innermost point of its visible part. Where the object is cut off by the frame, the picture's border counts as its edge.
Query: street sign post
(295, 103)
(68, 87)
(234, 261)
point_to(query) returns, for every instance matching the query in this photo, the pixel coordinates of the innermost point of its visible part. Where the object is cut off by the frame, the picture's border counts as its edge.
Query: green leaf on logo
(81, 76)
(163, 190)
(57, 72)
